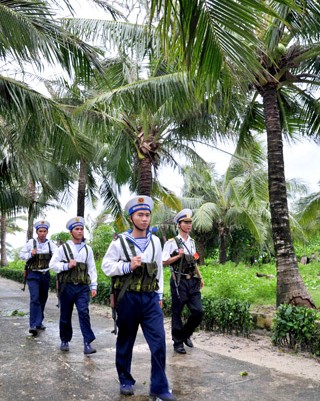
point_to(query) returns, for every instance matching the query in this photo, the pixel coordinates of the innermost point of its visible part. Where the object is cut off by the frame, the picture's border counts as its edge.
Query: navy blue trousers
(38, 284)
(134, 309)
(190, 296)
(78, 295)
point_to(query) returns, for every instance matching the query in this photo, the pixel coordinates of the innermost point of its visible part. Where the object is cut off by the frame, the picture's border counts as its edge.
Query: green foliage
(12, 274)
(298, 328)
(240, 282)
(16, 312)
(227, 316)
(223, 315)
(243, 247)
(101, 238)
(310, 249)
(103, 294)
(61, 237)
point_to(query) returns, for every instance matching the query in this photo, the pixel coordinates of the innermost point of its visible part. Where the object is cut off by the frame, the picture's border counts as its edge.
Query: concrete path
(33, 368)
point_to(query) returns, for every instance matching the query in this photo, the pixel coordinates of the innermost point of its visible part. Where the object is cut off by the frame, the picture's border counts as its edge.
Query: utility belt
(185, 276)
(40, 271)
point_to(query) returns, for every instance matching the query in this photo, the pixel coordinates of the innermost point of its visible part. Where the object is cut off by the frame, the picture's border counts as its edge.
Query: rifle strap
(68, 252)
(180, 246)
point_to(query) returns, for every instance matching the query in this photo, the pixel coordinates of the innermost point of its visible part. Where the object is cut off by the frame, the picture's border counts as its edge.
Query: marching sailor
(77, 277)
(133, 261)
(37, 254)
(185, 283)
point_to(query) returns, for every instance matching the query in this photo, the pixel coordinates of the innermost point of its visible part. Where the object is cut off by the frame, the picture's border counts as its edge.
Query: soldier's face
(77, 232)
(186, 226)
(42, 234)
(141, 219)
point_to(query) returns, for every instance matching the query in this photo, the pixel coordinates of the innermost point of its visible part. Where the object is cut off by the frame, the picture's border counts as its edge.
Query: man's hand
(135, 262)
(72, 263)
(180, 252)
(33, 252)
(93, 293)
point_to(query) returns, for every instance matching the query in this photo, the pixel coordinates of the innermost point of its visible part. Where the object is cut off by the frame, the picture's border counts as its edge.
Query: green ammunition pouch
(39, 261)
(78, 274)
(187, 264)
(142, 279)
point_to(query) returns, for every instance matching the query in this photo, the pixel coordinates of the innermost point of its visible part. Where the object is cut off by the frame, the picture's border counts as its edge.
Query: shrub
(297, 327)
(227, 316)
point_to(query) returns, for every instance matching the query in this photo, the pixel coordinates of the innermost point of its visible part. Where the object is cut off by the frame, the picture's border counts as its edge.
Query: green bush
(223, 315)
(227, 316)
(297, 327)
(102, 236)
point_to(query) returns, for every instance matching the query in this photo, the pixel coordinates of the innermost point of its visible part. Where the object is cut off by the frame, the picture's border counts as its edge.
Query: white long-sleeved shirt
(42, 247)
(115, 263)
(170, 246)
(59, 262)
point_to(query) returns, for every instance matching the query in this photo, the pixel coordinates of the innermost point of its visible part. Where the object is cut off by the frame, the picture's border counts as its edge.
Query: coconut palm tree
(286, 49)
(238, 200)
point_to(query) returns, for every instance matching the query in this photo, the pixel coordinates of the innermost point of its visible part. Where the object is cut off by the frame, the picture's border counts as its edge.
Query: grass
(241, 282)
(238, 282)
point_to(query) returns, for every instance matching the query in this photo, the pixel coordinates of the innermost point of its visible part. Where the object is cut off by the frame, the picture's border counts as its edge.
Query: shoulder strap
(34, 244)
(86, 248)
(50, 252)
(67, 251)
(131, 246)
(153, 250)
(178, 242)
(125, 248)
(132, 249)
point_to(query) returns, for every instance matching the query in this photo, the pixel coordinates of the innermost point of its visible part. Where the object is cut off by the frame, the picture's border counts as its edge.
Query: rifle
(115, 297)
(26, 266)
(25, 276)
(26, 272)
(175, 281)
(58, 291)
(114, 312)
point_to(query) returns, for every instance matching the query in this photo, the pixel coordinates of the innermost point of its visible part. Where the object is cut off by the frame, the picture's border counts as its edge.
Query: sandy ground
(258, 349)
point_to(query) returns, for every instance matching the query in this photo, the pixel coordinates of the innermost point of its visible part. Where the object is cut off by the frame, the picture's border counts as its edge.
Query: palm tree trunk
(290, 286)
(31, 209)
(145, 176)
(222, 246)
(82, 183)
(3, 228)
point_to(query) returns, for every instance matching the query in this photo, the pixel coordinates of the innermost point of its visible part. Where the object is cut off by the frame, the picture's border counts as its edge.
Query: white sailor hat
(183, 215)
(41, 224)
(74, 222)
(139, 202)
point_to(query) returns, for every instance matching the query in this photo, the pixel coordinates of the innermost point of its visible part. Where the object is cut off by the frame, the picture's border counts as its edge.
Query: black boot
(33, 331)
(88, 349)
(64, 346)
(188, 342)
(179, 348)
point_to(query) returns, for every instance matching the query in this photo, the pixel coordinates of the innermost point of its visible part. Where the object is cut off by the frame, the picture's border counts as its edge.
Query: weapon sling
(26, 267)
